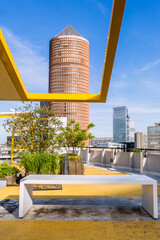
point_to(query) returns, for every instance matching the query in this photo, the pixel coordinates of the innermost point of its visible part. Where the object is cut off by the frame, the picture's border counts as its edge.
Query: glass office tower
(123, 127)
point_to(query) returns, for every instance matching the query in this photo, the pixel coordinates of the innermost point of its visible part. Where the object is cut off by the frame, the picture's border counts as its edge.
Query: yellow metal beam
(63, 97)
(6, 116)
(11, 68)
(10, 75)
(112, 42)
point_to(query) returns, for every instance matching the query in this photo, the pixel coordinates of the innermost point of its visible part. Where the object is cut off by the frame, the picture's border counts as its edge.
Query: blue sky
(29, 25)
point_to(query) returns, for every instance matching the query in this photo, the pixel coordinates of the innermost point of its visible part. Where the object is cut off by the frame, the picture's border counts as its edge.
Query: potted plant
(8, 173)
(75, 164)
(73, 136)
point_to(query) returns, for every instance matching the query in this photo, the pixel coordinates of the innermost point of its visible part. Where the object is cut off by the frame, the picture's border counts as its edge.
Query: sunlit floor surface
(79, 212)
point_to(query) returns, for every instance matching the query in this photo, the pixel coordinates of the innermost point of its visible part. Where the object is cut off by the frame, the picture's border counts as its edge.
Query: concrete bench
(2, 183)
(149, 187)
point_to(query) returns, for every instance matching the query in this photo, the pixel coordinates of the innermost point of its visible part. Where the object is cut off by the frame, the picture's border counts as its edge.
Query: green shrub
(134, 150)
(71, 156)
(7, 170)
(40, 162)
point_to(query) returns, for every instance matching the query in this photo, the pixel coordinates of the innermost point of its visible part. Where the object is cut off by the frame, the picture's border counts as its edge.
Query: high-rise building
(123, 127)
(141, 140)
(69, 73)
(131, 130)
(153, 133)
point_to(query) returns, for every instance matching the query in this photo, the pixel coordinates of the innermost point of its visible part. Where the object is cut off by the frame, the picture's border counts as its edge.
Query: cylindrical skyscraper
(69, 73)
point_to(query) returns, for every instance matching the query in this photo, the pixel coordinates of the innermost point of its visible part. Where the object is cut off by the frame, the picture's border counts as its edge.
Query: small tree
(73, 136)
(34, 129)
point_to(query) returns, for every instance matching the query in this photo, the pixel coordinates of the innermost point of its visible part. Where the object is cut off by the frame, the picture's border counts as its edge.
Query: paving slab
(89, 209)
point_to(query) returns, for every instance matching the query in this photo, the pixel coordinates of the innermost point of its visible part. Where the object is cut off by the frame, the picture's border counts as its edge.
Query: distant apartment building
(123, 127)
(4, 150)
(154, 136)
(99, 140)
(111, 145)
(141, 140)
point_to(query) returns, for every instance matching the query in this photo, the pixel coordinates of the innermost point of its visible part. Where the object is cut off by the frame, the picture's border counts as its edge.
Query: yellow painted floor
(78, 191)
(78, 230)
(99, 171)
(87, 230)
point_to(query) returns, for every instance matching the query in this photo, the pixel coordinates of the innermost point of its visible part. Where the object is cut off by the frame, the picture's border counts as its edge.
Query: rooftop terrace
(79, 212)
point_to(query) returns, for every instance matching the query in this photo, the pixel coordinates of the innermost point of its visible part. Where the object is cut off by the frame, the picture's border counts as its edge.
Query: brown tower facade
(69, 73)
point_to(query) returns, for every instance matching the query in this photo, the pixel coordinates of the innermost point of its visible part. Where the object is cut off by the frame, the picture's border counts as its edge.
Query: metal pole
(12, 147)
(66, 165)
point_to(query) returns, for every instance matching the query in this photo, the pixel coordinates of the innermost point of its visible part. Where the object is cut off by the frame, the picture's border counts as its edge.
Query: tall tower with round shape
(69, 73)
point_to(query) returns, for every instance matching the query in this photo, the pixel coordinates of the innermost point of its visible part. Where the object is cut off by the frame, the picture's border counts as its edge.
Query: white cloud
(97, 111)
(3, 133)
(31, 65)
(123, 75)
(152, 85)
(101, 113)
(143, 110)
(117, 101)
(119, 84)
(100, 6)
(148, 66)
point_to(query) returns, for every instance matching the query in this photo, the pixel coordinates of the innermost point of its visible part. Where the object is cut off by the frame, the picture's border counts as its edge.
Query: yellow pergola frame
(23, 95)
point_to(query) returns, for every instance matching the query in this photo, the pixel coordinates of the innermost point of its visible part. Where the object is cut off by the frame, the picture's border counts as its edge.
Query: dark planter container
(11, 179)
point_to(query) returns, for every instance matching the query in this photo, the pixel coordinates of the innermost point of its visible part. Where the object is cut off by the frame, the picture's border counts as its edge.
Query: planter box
(76, 167)
(11, 180)
(45, 186)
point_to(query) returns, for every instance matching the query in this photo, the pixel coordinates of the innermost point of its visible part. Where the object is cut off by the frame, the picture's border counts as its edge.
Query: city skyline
(135, 77)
